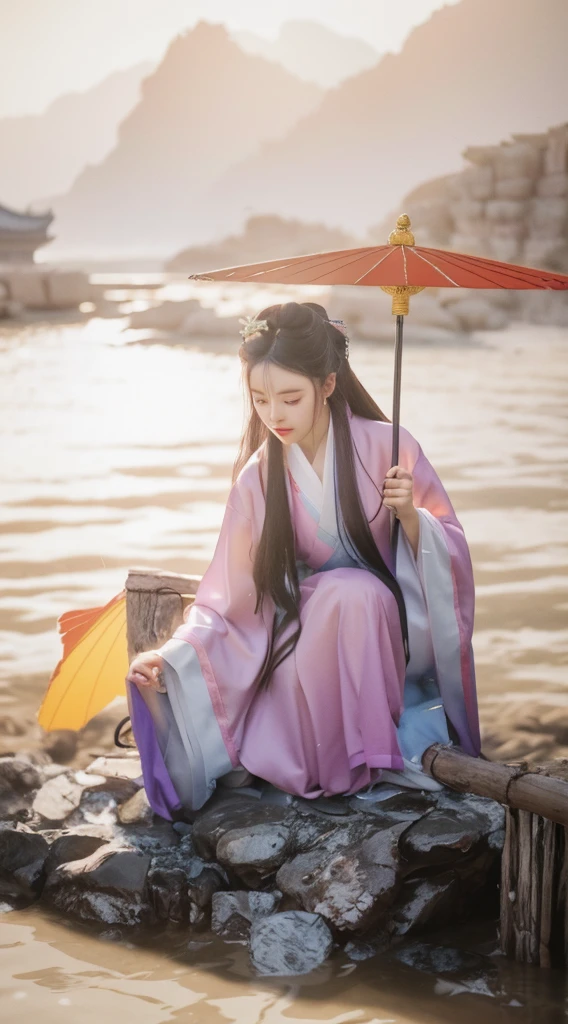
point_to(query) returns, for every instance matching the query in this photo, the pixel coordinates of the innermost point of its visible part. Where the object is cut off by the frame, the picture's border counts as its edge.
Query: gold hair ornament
(252, 325)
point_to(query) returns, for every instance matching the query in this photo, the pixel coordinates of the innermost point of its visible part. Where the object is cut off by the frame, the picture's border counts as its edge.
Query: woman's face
(287, 402)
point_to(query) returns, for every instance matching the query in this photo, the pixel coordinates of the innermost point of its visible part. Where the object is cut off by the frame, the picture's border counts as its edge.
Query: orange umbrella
(401, 269)
(91, 671)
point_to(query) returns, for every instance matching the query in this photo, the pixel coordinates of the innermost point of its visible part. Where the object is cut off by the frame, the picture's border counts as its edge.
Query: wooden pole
(155, 603)
(534, 865)
(535, 791)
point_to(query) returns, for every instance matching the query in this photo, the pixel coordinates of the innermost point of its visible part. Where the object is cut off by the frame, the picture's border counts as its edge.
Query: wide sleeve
(444, 566)
(229, 638)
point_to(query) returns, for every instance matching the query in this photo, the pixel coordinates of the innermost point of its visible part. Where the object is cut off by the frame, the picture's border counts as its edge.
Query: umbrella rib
(377, 264)
(79, 667)
(300, 262)
(454, 259)
(433, 265)
(100, 671)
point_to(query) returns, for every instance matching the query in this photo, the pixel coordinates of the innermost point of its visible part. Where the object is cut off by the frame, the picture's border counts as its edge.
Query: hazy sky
(50, 47)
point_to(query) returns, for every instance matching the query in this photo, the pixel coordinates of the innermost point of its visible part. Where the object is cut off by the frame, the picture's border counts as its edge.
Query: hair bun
(296, 316)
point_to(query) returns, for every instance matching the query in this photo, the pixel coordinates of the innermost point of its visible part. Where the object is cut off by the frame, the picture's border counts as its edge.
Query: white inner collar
(305, 475)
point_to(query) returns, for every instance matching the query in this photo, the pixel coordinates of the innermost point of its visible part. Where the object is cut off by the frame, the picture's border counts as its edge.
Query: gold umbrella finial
(402, 235)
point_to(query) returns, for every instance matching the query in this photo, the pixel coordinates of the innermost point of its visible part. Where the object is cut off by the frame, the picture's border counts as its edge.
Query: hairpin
(252, 325)
(342, 327)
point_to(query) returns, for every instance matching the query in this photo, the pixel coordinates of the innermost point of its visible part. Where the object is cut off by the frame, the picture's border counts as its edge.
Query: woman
(309, 658)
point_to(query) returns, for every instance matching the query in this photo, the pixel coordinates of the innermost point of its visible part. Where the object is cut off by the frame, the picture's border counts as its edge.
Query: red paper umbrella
(400, 268)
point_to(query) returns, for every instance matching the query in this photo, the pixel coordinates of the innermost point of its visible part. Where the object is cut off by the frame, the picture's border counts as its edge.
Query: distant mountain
(43, 153)
(474, 73)
(313, 52)
(206, 107)
(262, 238)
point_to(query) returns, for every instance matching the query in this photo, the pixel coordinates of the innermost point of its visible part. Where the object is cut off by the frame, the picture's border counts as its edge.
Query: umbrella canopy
(93, 666)
(398, 264)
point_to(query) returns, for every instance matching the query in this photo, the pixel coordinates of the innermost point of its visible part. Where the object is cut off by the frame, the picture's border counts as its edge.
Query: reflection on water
(50, 968)
(117, 452)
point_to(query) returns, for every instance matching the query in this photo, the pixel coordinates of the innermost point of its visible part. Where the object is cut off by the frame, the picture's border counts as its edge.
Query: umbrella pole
(394, 522)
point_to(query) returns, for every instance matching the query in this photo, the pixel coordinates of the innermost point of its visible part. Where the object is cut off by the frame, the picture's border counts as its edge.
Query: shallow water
(62, 972)
(117, 453)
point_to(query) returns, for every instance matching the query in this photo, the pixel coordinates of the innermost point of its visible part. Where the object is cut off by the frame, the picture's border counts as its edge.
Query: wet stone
(352, 888)
(233, 813)
(256, 852)
(108, 886)
(423, 901)
(442, 837)
(169, 894)
(233, 912)
(457, 971)
(71, 847)
(358, 950)
(22, 865)
(293, 942)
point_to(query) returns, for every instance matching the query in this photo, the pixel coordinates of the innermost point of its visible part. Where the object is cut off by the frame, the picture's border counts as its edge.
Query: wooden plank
(508, 892)
(547, 893)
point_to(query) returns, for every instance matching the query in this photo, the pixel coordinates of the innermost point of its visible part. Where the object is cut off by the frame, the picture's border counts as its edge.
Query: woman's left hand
(397, 491)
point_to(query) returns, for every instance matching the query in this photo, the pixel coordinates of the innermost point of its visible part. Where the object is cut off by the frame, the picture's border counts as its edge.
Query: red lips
(284, 430)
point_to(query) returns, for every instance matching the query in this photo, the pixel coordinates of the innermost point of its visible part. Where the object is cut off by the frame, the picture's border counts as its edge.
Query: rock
(395, 807)
(442, 836)
(183, 828)
(257, 852)
(423, 956)
(108, 886)
(61, 745)
(97, 807)
(202, 886)
(71, 846)
(352, 888)
(58, 797)
(293, 942)
(22, 859)
(10, 726)
(120, 767)
(18, 775)
(423, 901)
(358, 950)
(233, 912)
(137, 810)
(233, 813)
(168, 888)
(18, 781)
(475, 973)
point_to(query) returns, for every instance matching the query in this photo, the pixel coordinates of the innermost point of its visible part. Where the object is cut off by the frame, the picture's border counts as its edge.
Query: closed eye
(292, 402)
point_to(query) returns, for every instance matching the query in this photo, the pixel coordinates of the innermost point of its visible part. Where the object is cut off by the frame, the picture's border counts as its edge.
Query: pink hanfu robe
(344, 705)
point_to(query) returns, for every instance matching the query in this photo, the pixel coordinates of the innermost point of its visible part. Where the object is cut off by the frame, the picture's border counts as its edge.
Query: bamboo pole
(520, 788)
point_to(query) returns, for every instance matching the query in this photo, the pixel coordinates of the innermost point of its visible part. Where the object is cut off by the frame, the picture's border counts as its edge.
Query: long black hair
(300, 338)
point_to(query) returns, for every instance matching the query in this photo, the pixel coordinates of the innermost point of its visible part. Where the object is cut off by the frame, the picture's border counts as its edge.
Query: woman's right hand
(146, 669)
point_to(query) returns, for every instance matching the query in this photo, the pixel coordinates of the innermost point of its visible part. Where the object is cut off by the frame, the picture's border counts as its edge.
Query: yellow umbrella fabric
(92, 670)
